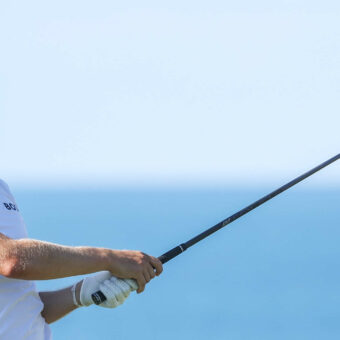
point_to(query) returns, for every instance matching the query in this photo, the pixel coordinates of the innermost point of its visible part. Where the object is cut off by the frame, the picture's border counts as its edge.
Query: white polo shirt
(20, 304)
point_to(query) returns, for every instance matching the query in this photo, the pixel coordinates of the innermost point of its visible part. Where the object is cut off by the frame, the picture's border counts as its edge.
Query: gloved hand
(116, 290)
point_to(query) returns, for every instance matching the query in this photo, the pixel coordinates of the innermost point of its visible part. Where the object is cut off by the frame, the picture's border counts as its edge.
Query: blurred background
(139, 125)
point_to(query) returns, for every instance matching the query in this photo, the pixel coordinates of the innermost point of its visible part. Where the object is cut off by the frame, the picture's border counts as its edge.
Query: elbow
(11, 264)
(46, 318)
(12, 268)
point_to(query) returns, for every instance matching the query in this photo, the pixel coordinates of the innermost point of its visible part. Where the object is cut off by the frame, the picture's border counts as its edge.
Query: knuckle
(142, 258)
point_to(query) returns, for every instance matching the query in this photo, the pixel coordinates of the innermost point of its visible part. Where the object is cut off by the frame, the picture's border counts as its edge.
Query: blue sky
(133, 94)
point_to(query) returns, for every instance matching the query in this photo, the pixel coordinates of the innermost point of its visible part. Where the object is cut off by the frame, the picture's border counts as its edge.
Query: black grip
(98, 297)
(172, 253)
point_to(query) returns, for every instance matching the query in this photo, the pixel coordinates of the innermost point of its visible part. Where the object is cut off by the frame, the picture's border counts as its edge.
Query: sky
(197, 93)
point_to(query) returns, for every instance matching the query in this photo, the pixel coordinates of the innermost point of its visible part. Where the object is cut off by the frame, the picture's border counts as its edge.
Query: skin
(29, 259)
(58, 303)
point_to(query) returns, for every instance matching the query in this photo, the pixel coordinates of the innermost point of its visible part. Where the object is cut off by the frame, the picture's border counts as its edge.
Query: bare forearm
(28, 259)
(58, 303)
(38, 260)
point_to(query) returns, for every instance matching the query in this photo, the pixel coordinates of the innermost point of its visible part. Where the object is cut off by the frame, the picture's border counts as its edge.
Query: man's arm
(58, 303)
(29, 259)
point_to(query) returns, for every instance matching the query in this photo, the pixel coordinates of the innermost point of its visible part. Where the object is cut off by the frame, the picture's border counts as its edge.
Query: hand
(130, 264)
(115, 290)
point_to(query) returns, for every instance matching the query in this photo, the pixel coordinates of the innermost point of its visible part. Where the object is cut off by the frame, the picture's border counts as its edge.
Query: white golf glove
(115, 290)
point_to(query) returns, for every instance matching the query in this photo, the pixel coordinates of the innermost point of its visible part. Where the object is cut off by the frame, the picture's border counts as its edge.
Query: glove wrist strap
(73, 290)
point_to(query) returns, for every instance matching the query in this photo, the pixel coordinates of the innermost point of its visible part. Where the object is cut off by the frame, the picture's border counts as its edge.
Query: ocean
(272, 274)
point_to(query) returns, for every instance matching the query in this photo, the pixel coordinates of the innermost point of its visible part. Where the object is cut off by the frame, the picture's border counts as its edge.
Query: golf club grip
(172, 253)
(98, 297)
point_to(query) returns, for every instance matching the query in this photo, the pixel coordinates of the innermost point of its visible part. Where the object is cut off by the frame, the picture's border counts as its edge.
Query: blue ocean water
(273, 274)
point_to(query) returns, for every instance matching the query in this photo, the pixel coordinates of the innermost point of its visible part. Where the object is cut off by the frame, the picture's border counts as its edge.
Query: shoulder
(4, 186)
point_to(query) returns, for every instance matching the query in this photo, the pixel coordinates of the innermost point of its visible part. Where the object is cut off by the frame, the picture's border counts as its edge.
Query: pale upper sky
(184, 92)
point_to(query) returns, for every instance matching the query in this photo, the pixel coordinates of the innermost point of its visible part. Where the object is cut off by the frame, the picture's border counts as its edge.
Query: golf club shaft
(182, 247)
(99, 297)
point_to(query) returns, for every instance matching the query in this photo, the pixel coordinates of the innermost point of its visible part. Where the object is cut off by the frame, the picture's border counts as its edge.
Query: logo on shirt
(11, 206)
